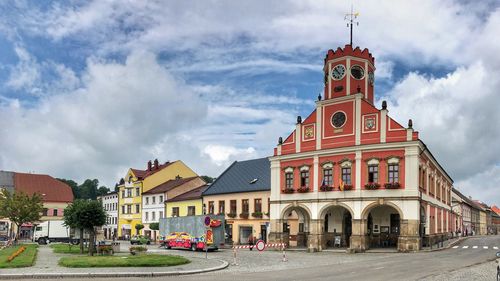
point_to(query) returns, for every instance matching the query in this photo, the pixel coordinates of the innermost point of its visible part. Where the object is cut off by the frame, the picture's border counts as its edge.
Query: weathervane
(350, 20)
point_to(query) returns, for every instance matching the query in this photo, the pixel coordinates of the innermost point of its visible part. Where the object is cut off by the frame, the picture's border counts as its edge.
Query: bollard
(234, 257)
(284, 254)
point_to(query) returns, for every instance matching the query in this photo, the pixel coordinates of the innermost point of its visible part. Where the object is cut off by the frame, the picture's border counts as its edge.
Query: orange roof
(142, 174)
(51, 189)
(169, 185)
(495, 209)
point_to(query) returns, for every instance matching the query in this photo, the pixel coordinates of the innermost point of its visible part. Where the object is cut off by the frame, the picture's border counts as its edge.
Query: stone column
(314, 239)
(359, 240)
(409, 239)
(276, 235)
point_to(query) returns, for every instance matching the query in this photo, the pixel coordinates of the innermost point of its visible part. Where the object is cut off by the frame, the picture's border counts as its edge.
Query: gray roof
(244, 176)
(7, 180)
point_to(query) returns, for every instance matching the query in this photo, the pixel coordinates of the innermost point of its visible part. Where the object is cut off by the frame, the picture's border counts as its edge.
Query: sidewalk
(46, 267)
(446, 244)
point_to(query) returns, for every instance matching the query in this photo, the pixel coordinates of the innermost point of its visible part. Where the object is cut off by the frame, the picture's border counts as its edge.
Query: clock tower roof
(349, 51)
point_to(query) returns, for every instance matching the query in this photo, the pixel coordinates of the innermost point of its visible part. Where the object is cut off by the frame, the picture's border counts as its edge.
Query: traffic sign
(260, 245)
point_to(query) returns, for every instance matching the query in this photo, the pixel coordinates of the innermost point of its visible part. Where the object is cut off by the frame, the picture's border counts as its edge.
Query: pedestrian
(251, 241)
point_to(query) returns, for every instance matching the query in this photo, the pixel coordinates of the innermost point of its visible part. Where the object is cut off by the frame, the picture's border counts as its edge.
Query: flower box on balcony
(231, 215)
(372, 185)
(326, 188)
(257, 215)
(347, 187)
(244, 215)
(288, 190)
(392, 185)
(303, 189)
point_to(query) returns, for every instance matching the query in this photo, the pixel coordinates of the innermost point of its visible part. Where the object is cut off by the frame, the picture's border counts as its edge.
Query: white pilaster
(348, 76)
(315, 173)
(409, 134)
(298, 137)
(358, 120)
(319, 126)
(366, 80)
(275, 180)
(411, 168)
(383, 125)
(428, 219)
(358, 170)
(329, 79)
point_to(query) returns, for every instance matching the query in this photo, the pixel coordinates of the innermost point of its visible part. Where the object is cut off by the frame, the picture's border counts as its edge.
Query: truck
(204, 232)
(53, 231)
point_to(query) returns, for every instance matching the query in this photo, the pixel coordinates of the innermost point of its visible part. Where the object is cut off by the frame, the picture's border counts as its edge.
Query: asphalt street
(437, 265)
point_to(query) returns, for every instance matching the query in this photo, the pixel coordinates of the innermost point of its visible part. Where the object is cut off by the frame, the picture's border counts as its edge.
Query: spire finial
(351, 20)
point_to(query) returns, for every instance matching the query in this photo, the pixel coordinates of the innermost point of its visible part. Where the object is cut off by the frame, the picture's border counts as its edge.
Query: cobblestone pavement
(482, 272)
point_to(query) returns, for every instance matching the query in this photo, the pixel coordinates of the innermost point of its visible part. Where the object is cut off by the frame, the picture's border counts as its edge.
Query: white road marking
(379, 268)
(454, 247)
(485, 247)
(496, 248)
(474, 247)
(465, 247)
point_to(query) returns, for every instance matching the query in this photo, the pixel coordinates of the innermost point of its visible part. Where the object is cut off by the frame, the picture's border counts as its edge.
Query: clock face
(338, 72)
(338, 119)
(371, 77)
(357, 72)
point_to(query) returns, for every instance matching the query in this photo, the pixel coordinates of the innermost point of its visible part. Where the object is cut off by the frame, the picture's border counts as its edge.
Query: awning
(26, 225)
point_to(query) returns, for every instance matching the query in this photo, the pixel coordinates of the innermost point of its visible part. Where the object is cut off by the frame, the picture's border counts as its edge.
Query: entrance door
(347, 228)
(263, 232)
(245, 232)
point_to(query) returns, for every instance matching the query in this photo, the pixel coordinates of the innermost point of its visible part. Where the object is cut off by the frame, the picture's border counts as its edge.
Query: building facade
(353, 175)
(241, 193)
(186, 204)
(110, 205)
(136, 182)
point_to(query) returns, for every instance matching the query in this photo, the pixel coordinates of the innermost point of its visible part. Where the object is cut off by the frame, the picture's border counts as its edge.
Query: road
(438, 265)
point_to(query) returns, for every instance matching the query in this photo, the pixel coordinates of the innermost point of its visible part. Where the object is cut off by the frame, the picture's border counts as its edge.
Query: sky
(89, 89)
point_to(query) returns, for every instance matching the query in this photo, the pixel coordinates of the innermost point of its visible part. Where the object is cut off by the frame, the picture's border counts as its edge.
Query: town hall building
(352, 176)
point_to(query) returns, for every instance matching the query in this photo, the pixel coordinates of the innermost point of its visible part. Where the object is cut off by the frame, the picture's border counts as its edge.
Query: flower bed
(326, 188)
(372, 185)
(347, 187)
(257, 215)
(288, 190)
(244, 215)
(231, 215)
(392, 185)
(137, 250)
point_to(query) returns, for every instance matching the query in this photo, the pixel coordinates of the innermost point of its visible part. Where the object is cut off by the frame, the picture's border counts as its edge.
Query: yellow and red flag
(341, 185)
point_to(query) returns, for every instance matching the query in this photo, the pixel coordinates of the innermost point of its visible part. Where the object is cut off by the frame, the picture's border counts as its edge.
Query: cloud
(26, 73)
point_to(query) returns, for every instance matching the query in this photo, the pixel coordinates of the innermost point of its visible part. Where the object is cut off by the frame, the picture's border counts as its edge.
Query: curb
(111, 274)
(448, 246)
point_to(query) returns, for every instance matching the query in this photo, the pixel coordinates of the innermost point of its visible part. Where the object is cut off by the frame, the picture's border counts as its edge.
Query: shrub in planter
(372, 185)
(288, 190)
(326, 188)
(257, 215)
(137, 250)
(303, 189)
(244, 215)
(106, 250)
(231, 215)
(392, 185)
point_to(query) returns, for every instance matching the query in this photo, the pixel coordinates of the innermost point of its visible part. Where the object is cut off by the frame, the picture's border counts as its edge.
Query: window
(258, 205)
(304, 178)
(55, 213)
(123, 193)
(137, 192)
(289, 180)
(211, 208)
(147, 216)
(222, 207)
(123, 209)
(129, 192)
(372, 173)
(153, 216)
(327, 177)
(147, 200)
(346, 175)
(244, 206)
(161, 199)
(136, 208)
(393, 172)
(45, 211)
(160, 215)
(129, 209)
(232, 206)
(175, 211)
(191, 210)
(154, 200)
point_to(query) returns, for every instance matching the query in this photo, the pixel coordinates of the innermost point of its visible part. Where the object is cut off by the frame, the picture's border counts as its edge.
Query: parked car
(140, 240)
(4, 240)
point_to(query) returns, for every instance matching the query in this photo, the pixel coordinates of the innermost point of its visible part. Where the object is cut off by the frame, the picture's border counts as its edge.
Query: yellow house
(136, 182)
(187, 204)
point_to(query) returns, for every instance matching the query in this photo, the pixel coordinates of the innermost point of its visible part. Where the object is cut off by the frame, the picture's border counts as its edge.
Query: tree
(87, 215)
(207, 179)
(102, 191)
(154, 226)
(73, 185)
(20, 208)
(138, 228)
(88, 189)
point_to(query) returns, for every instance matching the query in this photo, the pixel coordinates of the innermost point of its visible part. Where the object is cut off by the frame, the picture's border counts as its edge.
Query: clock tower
(349, 71)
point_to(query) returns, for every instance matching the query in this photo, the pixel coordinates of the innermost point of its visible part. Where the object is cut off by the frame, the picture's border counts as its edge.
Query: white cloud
(26, 73)
(224, 155)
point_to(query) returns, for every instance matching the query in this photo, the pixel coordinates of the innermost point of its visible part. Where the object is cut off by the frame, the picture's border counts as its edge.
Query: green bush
(138, 249)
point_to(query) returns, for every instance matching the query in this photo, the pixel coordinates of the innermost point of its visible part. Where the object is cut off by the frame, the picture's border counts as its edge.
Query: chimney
(149, 165)
(178, 177)
(156, 164)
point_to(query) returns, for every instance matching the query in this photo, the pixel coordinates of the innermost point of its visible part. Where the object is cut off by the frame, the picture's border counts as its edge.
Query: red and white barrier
(261, 246)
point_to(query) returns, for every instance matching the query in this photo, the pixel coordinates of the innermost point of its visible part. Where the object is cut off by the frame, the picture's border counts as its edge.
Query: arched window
(373, 171)
(304, 176)
(393, 170)
(289, 177)
(346, 172)
(327, 174)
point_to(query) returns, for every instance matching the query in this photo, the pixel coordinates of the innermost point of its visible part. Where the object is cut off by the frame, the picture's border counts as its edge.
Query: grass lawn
(122, 261)
(25, 259)
(67, 249)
